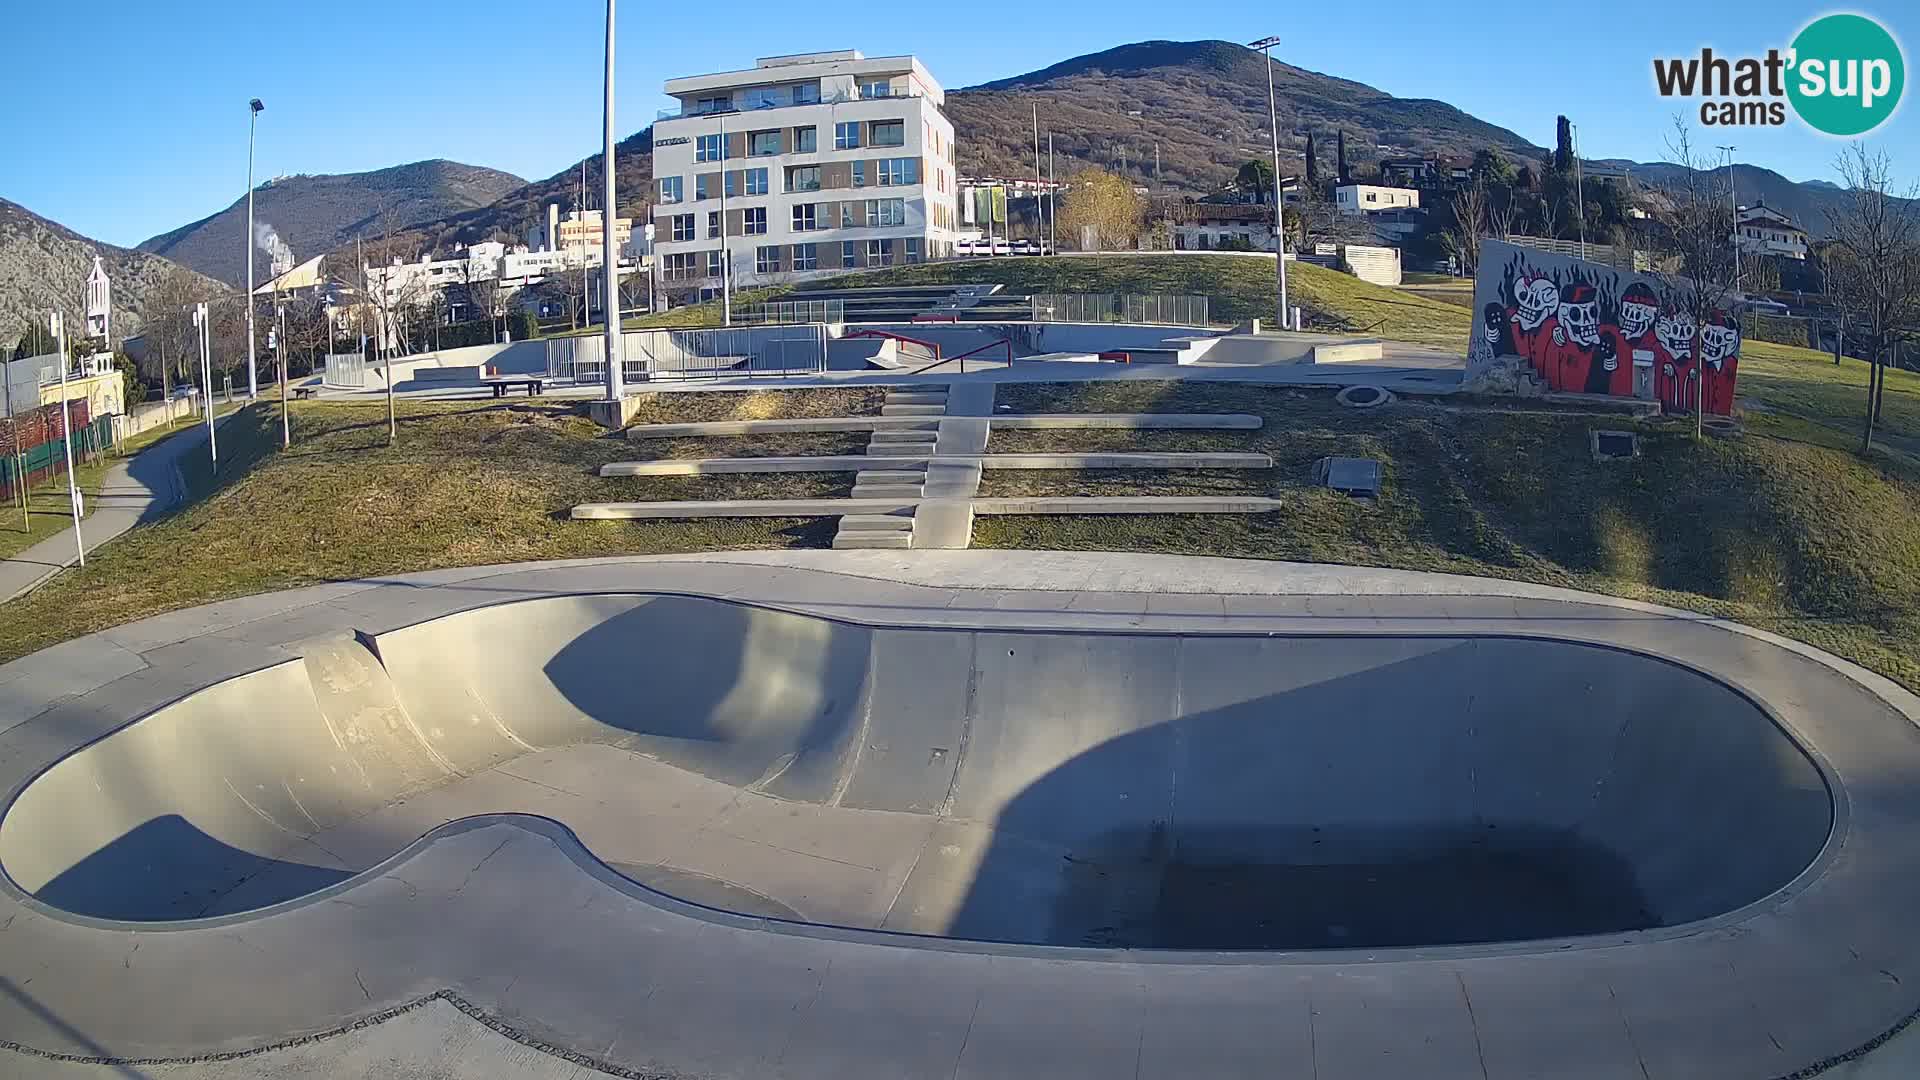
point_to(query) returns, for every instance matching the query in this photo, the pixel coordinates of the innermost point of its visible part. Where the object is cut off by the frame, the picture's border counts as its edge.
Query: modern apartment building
(808, 164)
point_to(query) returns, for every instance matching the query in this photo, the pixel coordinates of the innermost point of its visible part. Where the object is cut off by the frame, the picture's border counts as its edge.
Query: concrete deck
(476, 781)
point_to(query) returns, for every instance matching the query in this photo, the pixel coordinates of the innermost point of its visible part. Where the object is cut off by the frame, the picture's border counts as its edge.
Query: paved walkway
(134, 491)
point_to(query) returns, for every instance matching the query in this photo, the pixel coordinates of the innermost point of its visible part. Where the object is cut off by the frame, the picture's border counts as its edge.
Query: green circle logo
(1847, 74)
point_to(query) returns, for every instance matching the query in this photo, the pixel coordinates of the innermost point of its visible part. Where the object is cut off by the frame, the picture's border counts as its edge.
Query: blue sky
(126, 118)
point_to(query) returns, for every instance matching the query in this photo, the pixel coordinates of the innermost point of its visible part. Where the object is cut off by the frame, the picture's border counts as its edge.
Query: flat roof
(803, 66)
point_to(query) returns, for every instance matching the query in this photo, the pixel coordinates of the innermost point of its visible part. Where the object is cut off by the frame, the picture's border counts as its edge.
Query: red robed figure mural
(1552, 324)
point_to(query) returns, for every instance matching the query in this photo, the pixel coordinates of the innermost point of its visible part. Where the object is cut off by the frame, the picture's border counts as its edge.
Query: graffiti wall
(1547, 323)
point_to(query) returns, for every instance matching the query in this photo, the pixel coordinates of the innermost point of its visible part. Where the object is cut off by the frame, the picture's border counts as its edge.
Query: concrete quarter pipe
(1574, 841)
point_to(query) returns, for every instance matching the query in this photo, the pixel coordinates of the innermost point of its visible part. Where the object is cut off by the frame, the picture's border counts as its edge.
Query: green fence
(49, 459)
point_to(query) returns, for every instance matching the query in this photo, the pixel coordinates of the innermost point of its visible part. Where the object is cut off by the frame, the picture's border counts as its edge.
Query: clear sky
(126, 118)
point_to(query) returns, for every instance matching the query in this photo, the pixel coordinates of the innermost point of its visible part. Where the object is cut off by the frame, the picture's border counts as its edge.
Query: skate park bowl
(1145, 790)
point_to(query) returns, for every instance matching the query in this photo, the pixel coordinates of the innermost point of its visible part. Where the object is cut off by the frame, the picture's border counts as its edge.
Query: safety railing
(1153, 309)
(790, 312)
(345, 371)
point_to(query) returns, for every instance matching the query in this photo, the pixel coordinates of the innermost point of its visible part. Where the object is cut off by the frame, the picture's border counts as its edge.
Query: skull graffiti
(1637, 311)
(1675, 331)
(1538, 298)
(1579, 316)
(1719, 339)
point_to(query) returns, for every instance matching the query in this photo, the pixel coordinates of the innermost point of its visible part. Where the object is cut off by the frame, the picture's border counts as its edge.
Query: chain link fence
(1154, 309)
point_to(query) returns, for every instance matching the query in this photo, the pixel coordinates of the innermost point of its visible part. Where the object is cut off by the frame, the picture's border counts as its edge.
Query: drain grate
(1349, 475)
(1615, 445)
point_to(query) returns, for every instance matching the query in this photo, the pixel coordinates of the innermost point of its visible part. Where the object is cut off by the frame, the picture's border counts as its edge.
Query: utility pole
(1053, 209)
(609, 257)
(1265, 45)
(204, 343)
(66, 433)
(280, 316)
(253, 381)
(586, 286)
(1579, 190)
(726, 264)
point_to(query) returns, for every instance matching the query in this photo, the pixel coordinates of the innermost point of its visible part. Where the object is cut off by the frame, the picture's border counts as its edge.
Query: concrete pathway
(134, 491)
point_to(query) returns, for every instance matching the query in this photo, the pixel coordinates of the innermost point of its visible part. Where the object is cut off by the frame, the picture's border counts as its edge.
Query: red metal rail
(1008, 342)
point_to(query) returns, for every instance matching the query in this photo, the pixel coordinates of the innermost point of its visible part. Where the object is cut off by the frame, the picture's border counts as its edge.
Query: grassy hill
(1806, 540)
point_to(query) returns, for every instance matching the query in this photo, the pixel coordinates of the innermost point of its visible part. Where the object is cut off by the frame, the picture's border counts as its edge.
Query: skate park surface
(953, 813)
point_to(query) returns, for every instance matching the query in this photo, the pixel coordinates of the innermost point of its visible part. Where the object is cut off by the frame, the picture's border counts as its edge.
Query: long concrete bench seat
(1102, 504)
(863, 462)
(1142, 421)
(1128, 504)
(710, 428)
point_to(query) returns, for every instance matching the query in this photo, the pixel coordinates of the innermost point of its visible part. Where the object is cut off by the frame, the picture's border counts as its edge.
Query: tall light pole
(1579, 189)
(1265, 45)
(253, 381)
(609, 258)
(1734, 202)
(726, 261)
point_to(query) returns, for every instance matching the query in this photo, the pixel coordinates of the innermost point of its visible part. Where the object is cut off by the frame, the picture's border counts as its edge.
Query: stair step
(890, 476)
(888, 491)
(867, 539)
(901, 450)
(876, 523)
(916, 398)
(913, 410)
(909, 437)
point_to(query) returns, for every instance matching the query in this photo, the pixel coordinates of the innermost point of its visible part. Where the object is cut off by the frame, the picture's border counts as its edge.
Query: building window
(708, 148)
(859, 174)
(846, 136)
(806, 94)
(713, 224)
(848, 250)
(887, 133)
(713, 263)
(803, 178)
(682, 227)
(879, 253)
(756, 181)
(806, 257)
(680, 265)
(904, 170)
(878, 88)
(805, 217)
(846, 215)
(764, 97)
(806, 139)
(669, 189)
(713, 105)
(753, 221)
(886, 211)
(766, 260)
(764, 143)
(913, 249)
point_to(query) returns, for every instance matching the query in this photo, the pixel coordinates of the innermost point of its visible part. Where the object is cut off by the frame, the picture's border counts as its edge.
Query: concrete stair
(887, 491)
(914, 410)
(873, 539)
(888, 438)
(914, 440)
(917, 397)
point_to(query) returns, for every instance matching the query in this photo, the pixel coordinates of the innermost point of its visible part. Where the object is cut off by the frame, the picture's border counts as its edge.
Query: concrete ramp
(1079, 788)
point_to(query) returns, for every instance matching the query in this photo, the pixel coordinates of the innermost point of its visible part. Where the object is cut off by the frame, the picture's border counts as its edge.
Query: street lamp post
(66, 433)
(1265, 45)
(253, 382)
(608, 258)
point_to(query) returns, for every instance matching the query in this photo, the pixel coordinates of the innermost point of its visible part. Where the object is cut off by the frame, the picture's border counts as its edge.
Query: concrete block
(1346, 352)
(943, 523)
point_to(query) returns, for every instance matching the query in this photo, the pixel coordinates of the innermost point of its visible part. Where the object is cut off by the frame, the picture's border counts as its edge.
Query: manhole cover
(1363, 397)
(1615, 445)
(1351, 475)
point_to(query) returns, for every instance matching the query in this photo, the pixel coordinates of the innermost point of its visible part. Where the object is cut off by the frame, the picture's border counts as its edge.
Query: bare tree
(1873, 265)
(1698, 234)
(1462, 240)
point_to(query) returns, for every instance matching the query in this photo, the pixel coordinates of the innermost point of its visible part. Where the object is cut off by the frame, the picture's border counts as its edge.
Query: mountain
(1201, 101)
(314, 214)
(44, 265)
(1805, 202)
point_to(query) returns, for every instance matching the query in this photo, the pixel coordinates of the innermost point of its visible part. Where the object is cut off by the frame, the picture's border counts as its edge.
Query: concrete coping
(724, 428)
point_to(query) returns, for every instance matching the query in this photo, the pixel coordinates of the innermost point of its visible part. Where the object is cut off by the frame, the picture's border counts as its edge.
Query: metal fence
(345, 371)
(1157, 309)
(763, 351)
(789, 312)
(49, 459)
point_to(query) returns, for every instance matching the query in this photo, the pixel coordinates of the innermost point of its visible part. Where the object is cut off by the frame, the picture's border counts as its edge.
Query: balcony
(689, 112)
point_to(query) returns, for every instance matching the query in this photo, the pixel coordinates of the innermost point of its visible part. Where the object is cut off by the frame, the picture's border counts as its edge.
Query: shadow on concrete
(202, 873)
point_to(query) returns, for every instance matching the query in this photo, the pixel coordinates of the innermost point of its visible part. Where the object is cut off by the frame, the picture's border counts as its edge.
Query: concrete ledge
(730, 508)
(1347, 352)
(1170, 460)
(1129, 504)
(771, 427)
(712, 466)
(1142, 421)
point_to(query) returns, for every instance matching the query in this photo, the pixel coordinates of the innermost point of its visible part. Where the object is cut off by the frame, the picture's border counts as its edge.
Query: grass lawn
(1796, 537)
(469, 483)
(688, 407)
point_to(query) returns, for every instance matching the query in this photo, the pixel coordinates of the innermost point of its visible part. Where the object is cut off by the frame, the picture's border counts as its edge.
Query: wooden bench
(535, 384)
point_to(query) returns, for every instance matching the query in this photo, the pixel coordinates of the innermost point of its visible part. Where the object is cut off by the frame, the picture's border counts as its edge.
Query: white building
(804, 164)
(578, 233)
(1370, 198)
(1762, 230)
(1229, 226)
